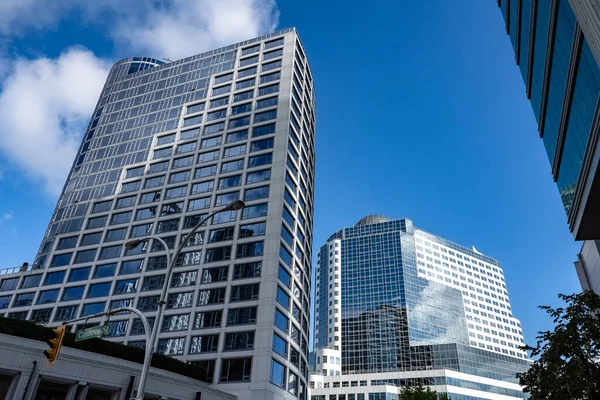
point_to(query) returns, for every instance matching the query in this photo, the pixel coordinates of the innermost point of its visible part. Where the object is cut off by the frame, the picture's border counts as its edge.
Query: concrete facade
(385, 386)
(588, 265)
(82, 373)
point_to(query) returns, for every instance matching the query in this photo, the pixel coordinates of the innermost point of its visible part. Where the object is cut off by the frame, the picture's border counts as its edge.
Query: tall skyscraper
(557, 50)
(395, 305)
(168, 143)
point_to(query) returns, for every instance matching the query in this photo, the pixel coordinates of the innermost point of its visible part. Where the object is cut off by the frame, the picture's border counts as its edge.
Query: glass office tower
(395, 305)
(168, 143)
(559, 65)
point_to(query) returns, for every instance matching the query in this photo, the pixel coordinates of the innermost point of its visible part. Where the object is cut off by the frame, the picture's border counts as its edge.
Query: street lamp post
(171, 261)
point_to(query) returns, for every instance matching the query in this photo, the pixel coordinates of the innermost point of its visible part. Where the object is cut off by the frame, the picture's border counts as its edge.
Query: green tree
(420, 393)
(567, 359)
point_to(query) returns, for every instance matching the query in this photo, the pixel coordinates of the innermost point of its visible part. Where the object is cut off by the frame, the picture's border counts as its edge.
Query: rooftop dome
(372, 219)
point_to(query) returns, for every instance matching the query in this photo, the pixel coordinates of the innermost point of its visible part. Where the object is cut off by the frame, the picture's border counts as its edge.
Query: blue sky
(421, 113)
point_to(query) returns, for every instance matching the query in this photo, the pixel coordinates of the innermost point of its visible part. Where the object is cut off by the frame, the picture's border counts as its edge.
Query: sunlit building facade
(168, 143)
(395, 306)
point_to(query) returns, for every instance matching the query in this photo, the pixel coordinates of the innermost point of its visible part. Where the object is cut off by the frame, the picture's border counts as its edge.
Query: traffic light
(55, 343)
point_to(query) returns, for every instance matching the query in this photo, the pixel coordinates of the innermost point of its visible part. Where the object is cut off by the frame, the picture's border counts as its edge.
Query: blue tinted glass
(54, 278)
(565, 29)
(585, 98)
(539, 54)
(525, 37)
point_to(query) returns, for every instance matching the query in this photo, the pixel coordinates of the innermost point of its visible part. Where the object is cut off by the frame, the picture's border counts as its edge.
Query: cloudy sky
(421, 113)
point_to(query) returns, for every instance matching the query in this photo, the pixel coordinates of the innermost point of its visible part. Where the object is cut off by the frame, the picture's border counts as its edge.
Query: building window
(110, 252)
(220, 102)
(244, 292)
(236, 369)
(203, 187)
(204, 172)
(93, 308)
(130, 267)
(60, 260)
(180, 300)
(31, 281)
(53, 278)
(265, 90)
(171, 347)
(229, 182)
(265, 116)
(258, 176)
(204, 344)
(114, 235)
(97, 222)
(99, 290)
(243, 85)
(256, 193)
(79, 274)
(252, 230)
(176, 192)
(227, 198)
(239, 341)
(241, 316)
(244, 95)
(91, 238)
(175, 323)
(234, 151)
(279, 346)
(183, 162)
(264, 103)
(232, 166)
(208, 319)
(65, 313)
(218, 254)
(73, 293)
(126, 286)
(26, 299)
(217, 274)
(67, 243)
(255, 211)
(283, 298)
(281, 321)
(277, 374)
(183, 279)
(248, 270)
(40, 316)
(149, 303)
(211, 296)
(253, 249)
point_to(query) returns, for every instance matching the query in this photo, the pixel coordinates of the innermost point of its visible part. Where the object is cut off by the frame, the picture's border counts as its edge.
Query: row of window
(179, 279)
(202, 173)
(251, 249)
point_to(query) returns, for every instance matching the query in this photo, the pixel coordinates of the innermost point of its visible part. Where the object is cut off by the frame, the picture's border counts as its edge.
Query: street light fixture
(171, 261)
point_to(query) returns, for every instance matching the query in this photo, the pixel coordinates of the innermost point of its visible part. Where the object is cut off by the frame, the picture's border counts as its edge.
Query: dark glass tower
(168, 143)
(560, 69)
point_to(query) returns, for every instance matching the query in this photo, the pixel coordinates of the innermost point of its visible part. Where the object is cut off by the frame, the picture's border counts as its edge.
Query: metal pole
(147, 332)
(163, 297)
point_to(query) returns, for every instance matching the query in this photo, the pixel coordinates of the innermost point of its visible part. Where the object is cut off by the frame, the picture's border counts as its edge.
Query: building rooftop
(373, 219)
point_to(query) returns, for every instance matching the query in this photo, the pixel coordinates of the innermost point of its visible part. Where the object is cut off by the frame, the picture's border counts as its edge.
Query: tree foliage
(568, 358)
(420, 393)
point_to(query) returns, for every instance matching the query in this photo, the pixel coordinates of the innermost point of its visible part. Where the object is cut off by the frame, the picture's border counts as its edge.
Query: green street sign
(93, 332)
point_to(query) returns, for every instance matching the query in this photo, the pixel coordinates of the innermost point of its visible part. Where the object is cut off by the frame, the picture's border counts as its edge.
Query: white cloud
(45, 106)
(188, 27)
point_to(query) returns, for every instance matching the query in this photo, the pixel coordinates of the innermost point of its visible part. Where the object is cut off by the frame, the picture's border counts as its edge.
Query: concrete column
(83, 391)
(72, 392)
